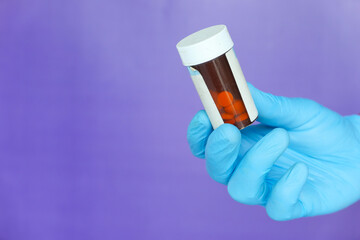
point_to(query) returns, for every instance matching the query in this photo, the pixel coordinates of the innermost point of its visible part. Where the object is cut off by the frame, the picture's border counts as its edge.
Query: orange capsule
(226, 116)
(236, 108)
(242, 117)
(225, 98)
(230, 109)
(231, 121)
(219, 107)
(239, 106)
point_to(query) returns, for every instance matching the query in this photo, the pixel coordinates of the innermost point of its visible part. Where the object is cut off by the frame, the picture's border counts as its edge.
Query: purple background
(94, 107)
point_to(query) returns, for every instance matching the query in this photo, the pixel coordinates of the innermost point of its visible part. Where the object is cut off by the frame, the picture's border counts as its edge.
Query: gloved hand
(302, 160)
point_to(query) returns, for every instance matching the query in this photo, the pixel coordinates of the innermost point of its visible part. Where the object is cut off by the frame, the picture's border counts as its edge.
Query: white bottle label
(241, 83)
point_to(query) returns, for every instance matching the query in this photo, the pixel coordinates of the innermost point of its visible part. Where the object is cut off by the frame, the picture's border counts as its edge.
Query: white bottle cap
(204, 45)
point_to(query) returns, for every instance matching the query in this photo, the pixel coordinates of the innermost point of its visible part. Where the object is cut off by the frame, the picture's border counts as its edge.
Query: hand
(302, 160)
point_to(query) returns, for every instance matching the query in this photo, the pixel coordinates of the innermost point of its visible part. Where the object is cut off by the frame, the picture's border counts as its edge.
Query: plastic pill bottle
(217, 76)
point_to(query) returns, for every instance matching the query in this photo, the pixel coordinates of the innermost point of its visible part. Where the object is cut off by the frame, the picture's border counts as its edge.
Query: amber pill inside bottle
(217, 76)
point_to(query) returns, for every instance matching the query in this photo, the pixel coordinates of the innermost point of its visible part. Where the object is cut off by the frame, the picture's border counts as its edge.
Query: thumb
(288, 113)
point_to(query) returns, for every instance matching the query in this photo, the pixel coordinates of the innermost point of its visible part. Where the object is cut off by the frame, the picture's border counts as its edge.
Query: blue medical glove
(302, 160)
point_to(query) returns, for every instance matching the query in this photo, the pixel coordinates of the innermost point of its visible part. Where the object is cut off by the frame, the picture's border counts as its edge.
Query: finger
(222, 151)
(198, 133)
(284, 202)
(288, 113)
(248, 182)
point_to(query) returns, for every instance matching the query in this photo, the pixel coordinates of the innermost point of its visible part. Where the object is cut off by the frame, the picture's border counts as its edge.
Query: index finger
(198, 133)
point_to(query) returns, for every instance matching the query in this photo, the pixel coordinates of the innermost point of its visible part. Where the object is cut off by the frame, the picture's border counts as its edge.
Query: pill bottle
(216, 73)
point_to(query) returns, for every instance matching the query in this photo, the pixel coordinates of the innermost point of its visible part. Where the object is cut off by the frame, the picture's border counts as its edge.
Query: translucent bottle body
(227, 89)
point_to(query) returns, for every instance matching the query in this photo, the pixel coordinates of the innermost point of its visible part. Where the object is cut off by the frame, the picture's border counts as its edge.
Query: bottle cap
(204, 45)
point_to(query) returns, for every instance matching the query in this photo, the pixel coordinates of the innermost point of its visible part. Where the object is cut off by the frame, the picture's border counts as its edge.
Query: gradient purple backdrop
(94, 107)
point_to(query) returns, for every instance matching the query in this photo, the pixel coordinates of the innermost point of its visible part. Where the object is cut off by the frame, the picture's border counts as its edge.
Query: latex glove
(303, 160)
